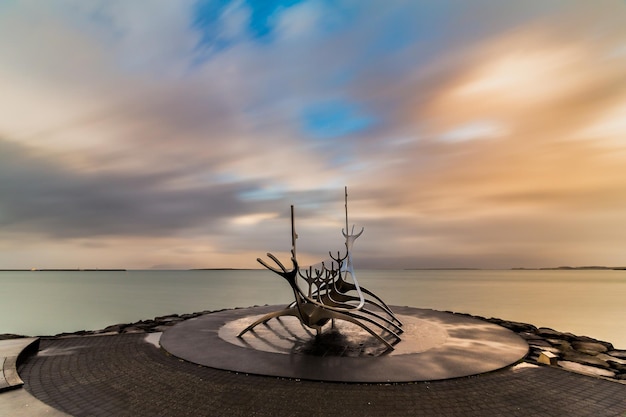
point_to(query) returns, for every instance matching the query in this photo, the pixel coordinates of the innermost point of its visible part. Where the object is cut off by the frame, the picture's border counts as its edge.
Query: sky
(172, 135)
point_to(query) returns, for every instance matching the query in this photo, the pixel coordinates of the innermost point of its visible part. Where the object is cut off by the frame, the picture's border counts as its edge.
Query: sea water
(583, 302)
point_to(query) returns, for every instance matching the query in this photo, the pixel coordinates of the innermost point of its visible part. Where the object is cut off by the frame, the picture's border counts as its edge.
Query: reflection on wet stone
(344, 343)
(287, 335)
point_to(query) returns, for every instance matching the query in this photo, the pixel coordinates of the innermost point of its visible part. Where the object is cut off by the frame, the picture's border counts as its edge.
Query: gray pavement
(128, 375)
(10, 350)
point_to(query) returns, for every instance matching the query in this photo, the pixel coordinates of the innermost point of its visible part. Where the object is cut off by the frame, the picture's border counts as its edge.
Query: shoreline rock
(580, 354)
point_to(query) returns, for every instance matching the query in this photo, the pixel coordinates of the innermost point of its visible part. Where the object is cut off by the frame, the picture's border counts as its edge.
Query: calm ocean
(591, 303)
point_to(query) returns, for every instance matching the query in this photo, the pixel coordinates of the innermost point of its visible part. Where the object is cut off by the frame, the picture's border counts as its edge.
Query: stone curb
(12, 352)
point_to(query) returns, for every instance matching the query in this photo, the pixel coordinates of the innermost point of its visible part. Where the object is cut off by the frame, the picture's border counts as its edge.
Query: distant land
(443, 269)
(558, 268)
(111, 270)
(567, 268)
(221, 269)
(62, 270)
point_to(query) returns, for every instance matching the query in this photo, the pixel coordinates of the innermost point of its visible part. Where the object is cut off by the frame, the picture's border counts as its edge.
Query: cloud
(474, 134)
(45, 198)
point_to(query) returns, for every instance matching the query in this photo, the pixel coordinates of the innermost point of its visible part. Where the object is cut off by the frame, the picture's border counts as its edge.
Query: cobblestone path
(124, 375)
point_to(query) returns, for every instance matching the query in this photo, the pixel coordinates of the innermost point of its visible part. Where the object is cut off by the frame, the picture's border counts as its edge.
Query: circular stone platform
(435, 345)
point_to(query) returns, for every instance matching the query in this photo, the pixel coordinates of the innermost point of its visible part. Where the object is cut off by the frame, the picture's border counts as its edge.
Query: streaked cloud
(485, 134)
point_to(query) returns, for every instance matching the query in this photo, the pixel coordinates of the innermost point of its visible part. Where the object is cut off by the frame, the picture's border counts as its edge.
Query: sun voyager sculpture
(330, 291)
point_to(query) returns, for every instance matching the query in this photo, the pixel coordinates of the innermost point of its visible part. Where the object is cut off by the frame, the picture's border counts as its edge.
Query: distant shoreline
(558, 268)
(575, 268)
(223, 269)
(63, 270)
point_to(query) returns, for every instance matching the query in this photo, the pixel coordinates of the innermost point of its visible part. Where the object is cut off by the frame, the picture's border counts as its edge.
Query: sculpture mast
(346, 190)
(294, 236)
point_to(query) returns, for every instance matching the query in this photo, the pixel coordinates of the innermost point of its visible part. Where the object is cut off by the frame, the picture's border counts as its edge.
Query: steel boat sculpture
(330, 291)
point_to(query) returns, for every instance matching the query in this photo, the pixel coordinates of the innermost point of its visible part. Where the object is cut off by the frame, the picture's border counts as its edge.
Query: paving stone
(124, 375)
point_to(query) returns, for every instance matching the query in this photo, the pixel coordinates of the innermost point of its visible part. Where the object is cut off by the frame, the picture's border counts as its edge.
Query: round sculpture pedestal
(435, 345)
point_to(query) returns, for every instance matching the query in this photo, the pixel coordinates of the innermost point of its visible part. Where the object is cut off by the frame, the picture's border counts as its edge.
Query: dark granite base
(435, 346)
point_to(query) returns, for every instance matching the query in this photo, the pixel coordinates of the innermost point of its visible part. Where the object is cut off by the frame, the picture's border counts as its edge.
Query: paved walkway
(126, 375)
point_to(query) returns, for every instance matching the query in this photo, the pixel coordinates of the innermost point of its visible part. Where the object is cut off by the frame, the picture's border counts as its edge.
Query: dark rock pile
(158, 324)
(577, 353)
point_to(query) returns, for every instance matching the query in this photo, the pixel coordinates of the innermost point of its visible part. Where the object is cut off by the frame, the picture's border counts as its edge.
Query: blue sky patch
(261, 15)
(263, 12)
(334, 118)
